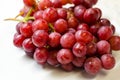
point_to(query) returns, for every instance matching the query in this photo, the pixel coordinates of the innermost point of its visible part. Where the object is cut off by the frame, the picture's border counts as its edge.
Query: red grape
(18, 40)
(79, 12)
(83, 36)
(99, 13)
(103, 47)
(61, 26)
(89, 3)
(54, 39)
(91, 49)
(67, 67)
(52, 58)
(26, 30)
(62, 13)
(73, 22)
(29, 54)
(83, 26)
(91, 16)
(41, 55)
(64, 56)
(71, 30)
(104, 22)
(28, 46)
(18, 27)
(43, 4)
(78, 61)
(108, 61)
(40, 24)
(67, 40)
(40, 38)
(38, 14)
(56, 3)
(29, 2)
(77, 2)
(50, 14)
(104, 33)
(115, 42)
(113, 28)
(92, 65)
(79, 49)
(94, 29)
(64, 2)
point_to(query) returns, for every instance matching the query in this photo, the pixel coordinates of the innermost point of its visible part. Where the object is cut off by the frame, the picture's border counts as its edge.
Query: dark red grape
(29, 54)
(103, 47)
(28, 46)
(38, 14)
(73, 22)
(41, 55)
(92, 65)
(62, 13)
(52, 58)
(78, 61)
(108, 61)
(79, 12)
(67, 40)
(113, 28)
(67, 67)
(18, 40)
(91, 49)
(54, 39)
(40, 24)
(50, 14)
(115, 43)
(83, 36)
(18, 27)
(89, 3)
(43, 4)
(94, 29)
(71, 30)
(91, 16)
(29, 2)
(64, 2)
(40, 38)
(83, 26)
(61, 26)
(56, 3)
(79, 49)
(99, 13)
(104, 22)
(26, 30)
(77, 2)
(64, 56)
(104, 33)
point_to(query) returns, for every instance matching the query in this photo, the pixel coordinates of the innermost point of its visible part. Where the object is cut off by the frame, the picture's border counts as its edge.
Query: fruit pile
(67, 37)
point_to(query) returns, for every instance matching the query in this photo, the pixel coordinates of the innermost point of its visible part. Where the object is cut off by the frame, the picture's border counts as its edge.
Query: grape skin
(92, 65)
(40, 38)
(41, 55)
(64, 56)
(67, 40)
(108, 61)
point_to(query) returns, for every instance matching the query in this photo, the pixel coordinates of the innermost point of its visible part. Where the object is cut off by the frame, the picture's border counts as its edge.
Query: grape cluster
(73, 37)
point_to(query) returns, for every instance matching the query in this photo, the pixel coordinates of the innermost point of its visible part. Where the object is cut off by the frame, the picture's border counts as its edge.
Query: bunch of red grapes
(69, 38)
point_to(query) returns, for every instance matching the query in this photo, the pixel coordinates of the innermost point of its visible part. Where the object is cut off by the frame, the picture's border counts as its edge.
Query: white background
(14, 65)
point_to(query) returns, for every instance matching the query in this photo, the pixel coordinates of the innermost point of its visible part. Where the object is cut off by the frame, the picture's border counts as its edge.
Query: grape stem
(25, 19)
(51, 27)
(13, 19)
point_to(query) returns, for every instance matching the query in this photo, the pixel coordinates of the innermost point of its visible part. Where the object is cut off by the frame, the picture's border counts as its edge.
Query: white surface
(14, 65)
